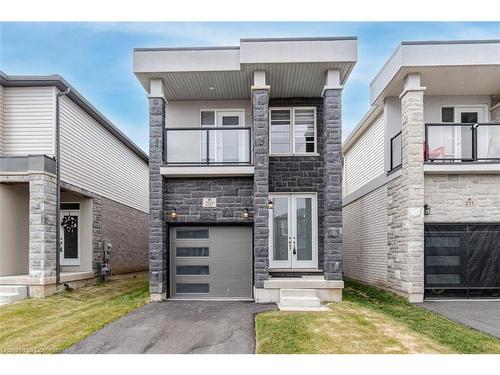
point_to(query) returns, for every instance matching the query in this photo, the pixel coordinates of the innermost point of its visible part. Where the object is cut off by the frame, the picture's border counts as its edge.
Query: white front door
(230, 143)
(293, 231)
(70, 238)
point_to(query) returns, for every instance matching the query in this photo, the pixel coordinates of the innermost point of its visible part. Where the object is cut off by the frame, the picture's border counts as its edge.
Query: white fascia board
(298, 51)
(422, 54)
(186, 60)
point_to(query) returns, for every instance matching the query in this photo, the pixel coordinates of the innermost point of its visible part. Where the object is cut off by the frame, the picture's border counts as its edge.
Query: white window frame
(292, 131)
(71, 261)
(241, 114)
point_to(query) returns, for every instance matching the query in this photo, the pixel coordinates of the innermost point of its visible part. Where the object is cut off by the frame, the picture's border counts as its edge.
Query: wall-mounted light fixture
(173, 214)
(427, 209)
(245, 214)
(270, 204)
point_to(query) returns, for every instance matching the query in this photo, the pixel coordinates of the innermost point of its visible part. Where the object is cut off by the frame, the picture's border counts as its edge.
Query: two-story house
(245, 169)
(103, 195)
(422, 174)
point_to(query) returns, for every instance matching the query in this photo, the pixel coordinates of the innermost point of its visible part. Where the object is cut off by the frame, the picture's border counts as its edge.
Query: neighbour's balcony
(207, 151)
(462, 147)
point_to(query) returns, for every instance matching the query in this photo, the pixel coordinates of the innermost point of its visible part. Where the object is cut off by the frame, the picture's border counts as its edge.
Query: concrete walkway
(179, 327)
(481, 315)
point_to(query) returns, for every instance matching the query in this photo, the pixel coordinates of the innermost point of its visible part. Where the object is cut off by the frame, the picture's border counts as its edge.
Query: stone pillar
(42, 226)
(260, 129)
(406, 259)
(495, 108)
(97, 249)
(157, 225)
(332, 154)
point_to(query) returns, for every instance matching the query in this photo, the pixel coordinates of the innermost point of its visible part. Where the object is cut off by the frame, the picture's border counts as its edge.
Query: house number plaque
(469, 202)
(209, 202)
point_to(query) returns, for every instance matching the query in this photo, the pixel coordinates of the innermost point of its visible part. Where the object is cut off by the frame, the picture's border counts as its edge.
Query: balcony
(207, 151)
(462, 147)
(462, 143)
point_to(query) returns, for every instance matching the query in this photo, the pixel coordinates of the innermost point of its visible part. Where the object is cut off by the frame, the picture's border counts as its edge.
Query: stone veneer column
(260, 115)
(97, 249)
(332, 149)
(495, 108)
(157, 224)
(42, 226)
(406, 259)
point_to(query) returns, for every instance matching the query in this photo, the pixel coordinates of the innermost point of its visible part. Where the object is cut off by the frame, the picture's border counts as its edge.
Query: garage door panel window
(185, 288)
(192, 270)
(192, 234)
(192, 252)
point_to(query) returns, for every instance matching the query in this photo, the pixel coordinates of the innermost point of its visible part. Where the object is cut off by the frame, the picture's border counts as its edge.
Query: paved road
(481, 315)
(179, 327)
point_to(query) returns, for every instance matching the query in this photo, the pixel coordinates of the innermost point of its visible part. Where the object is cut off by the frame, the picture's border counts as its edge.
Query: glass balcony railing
(228, 145)
(458, 142)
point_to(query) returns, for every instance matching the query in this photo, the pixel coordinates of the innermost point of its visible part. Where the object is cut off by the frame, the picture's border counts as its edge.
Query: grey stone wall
(332, 156)
(447, 196)
(127, 230)
(406, 202)
(233, 194)
(158, 257)
(42, 225)
(260, 130)
(298, 174)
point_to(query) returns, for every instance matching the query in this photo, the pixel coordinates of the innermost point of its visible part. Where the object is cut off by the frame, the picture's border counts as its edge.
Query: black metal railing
(228, 145)
(396, 152)
(462, 142)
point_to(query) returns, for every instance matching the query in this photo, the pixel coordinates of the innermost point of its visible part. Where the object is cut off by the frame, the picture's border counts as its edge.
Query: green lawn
(55, 323)
(368, 320)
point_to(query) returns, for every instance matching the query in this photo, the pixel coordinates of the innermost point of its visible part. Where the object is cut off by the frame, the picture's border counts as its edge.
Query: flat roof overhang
(446, 68)
(294, 67)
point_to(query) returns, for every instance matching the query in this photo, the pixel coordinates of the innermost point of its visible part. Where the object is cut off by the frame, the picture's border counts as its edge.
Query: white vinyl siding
(1, 119)
(29, 120)
(365, 238)
(95, 160)
(365, 159)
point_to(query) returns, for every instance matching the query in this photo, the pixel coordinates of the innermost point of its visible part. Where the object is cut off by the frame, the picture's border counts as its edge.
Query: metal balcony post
(208, 146)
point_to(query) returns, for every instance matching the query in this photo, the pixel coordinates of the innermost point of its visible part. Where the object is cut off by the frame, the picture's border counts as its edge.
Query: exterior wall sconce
(270, 204)
(245, 214)
(427, 209)
(173, 214)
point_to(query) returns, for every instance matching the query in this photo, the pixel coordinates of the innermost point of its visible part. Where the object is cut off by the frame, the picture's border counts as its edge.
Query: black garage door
(462, 260)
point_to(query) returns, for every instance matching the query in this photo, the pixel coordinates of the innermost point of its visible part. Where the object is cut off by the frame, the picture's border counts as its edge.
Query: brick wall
(447, 196)
(298, 174)
(127, 230)
(233, 194)
(365, 238)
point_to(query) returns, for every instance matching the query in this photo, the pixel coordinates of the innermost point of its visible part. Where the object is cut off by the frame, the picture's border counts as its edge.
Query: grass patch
(368, 320)
(457, 337)
(55, 323)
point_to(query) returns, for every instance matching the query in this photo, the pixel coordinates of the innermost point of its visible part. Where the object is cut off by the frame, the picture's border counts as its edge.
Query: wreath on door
(69, 224)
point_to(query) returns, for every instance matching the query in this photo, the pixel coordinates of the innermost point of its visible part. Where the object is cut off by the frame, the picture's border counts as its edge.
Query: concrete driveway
(481, 315)
(179, 327)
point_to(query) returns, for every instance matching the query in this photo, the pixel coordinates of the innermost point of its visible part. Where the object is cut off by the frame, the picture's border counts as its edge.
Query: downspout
(58, 187)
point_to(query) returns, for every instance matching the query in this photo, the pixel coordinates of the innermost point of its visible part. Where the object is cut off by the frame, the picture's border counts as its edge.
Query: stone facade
(406, 196)
(158, 236)
(301, 174)
(42, 225)
(448, 197)
(332, 155)
(260, 128)
(233, 194)
(127, 230)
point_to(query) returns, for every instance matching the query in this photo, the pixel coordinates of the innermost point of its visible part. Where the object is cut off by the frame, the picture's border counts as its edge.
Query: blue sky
(96, 58)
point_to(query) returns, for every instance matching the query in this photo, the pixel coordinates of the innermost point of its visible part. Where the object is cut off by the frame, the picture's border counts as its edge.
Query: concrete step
(298, 293)
(12, 293)
(300, 301)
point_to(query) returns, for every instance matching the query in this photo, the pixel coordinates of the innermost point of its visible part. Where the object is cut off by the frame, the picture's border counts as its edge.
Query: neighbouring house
(245, 169)
(104, 190)
(421, 193)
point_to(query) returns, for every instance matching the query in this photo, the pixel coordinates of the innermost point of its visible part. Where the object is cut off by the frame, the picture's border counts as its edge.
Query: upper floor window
(293, 130)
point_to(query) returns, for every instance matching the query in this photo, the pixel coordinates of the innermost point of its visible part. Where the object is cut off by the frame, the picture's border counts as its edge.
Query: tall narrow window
(293, 130)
